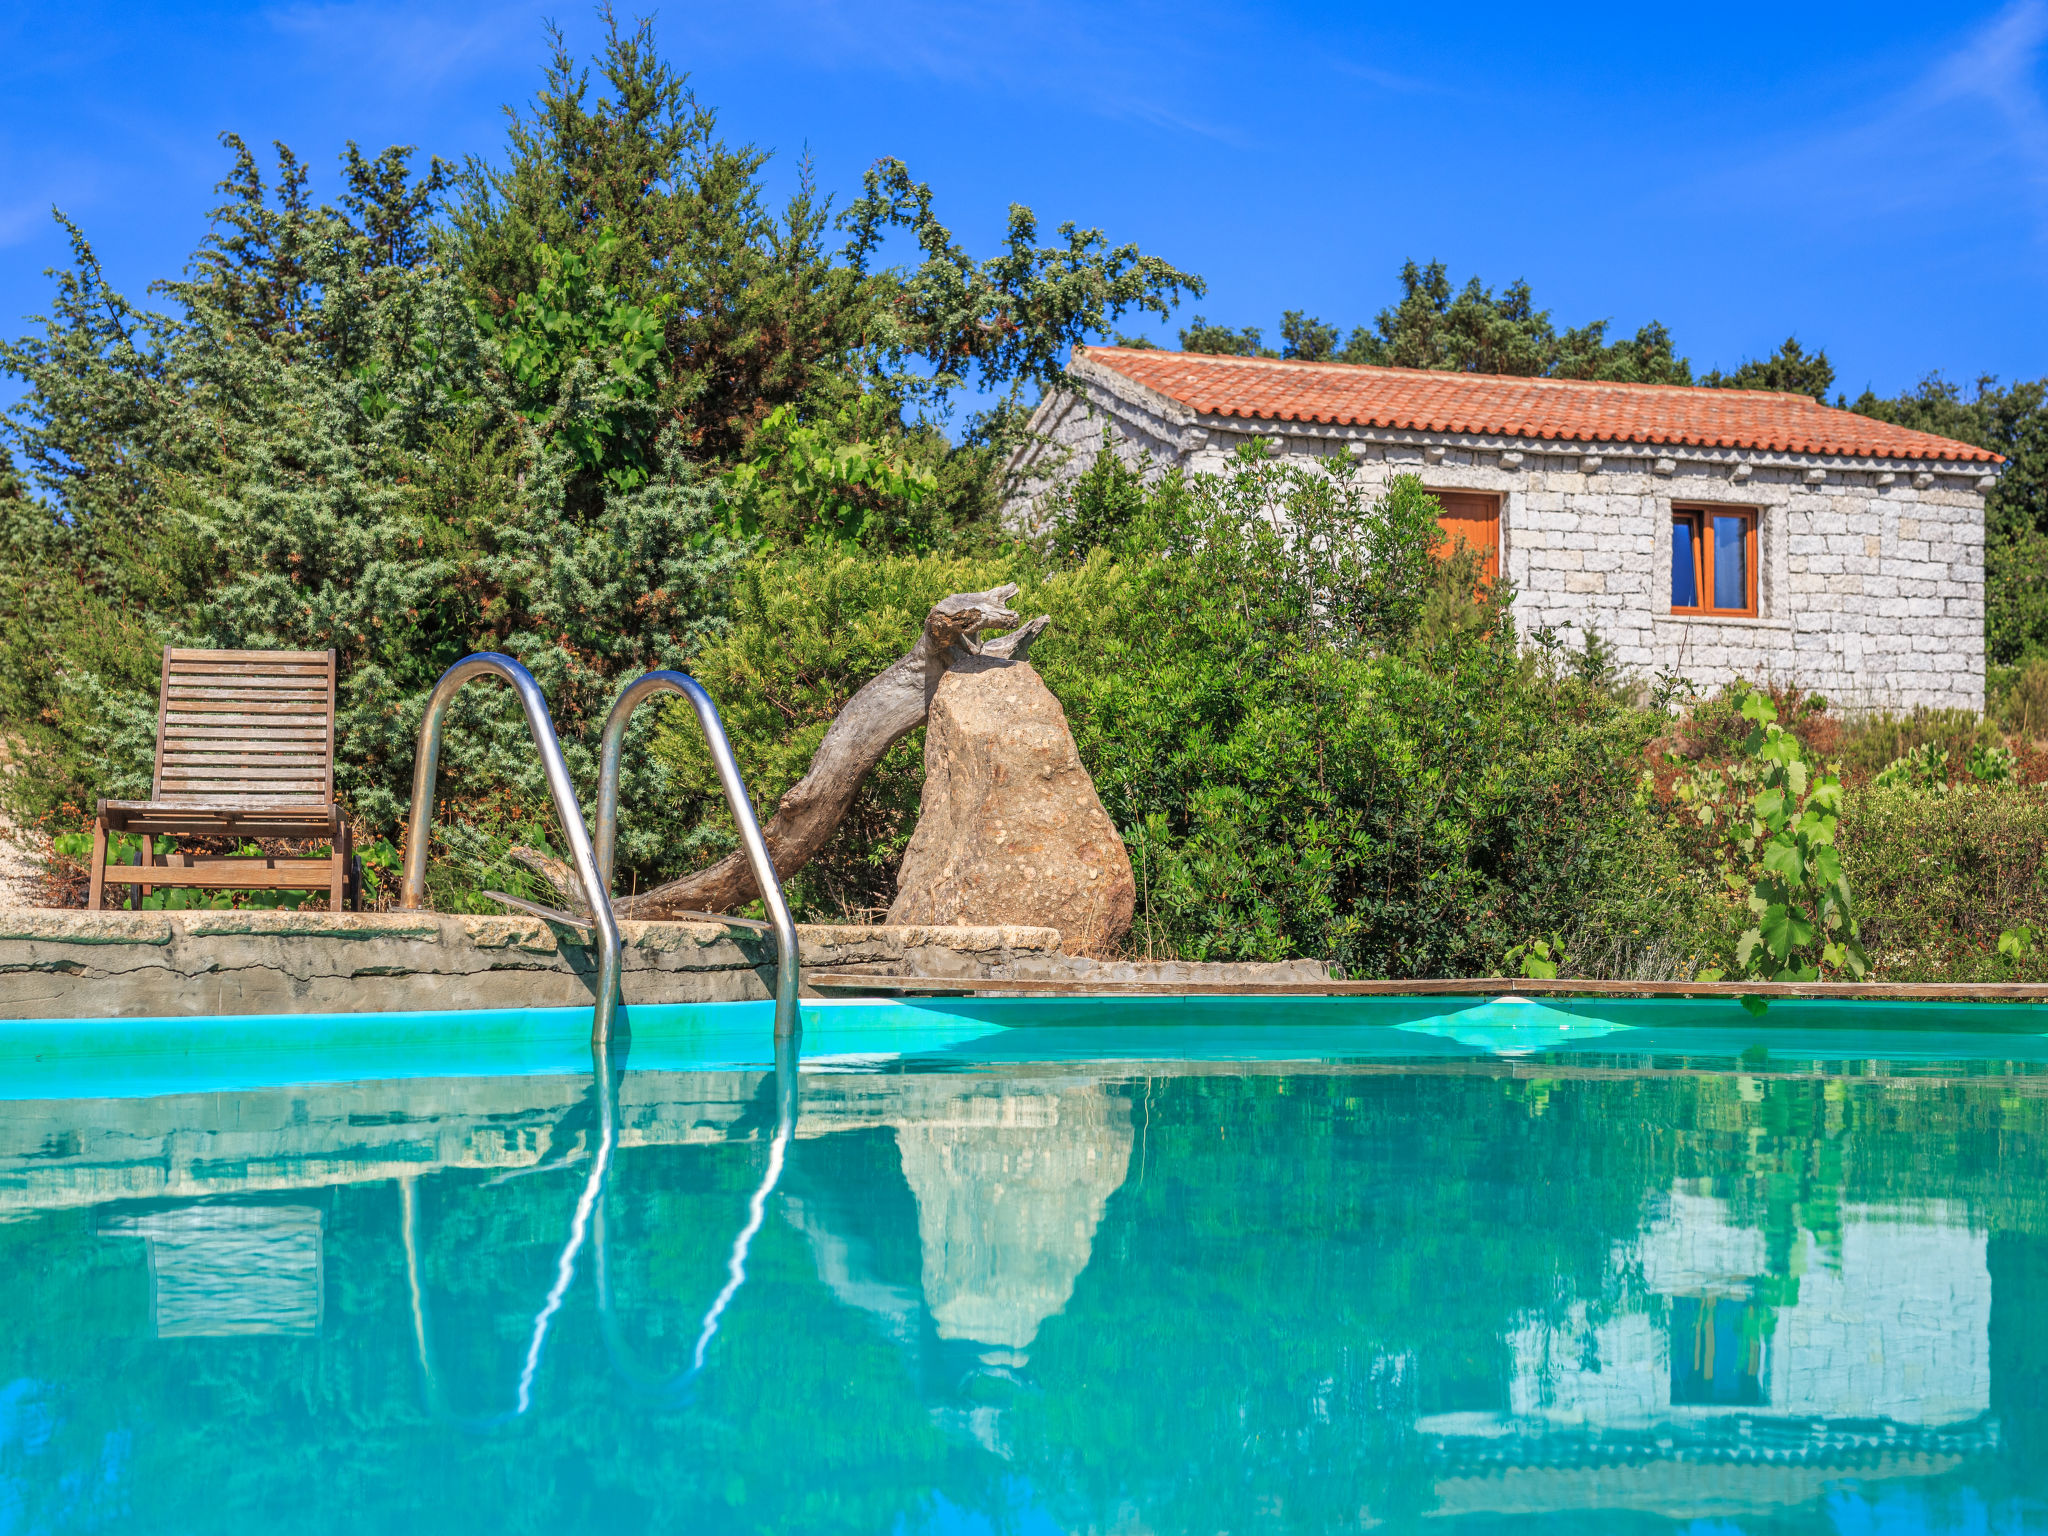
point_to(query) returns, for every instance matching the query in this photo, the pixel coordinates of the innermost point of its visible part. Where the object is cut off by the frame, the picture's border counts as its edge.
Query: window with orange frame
(1713, 561)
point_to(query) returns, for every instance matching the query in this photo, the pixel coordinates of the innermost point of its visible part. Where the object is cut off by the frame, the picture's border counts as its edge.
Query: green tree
(325, 449)
(1791, 369)
(87, 566)
(1006, 321)
(628, 182)
(1220, 340)
(1097, 508)
(1475, 330)
(755, 311)
(1307, 339)
(1647, 357)
(1470, 330)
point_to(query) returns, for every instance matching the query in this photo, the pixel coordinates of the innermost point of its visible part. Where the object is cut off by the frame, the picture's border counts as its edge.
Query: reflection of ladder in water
(594, 863)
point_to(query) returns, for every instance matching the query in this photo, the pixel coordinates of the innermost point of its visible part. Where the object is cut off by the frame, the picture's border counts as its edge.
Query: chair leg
(147, 859)
(97, 892)
(337, 884)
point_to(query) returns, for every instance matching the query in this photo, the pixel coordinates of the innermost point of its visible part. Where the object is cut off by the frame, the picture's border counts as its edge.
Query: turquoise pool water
(1140, 1265)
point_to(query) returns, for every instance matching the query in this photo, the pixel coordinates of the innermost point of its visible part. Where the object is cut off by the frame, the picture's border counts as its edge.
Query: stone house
(1708, 533)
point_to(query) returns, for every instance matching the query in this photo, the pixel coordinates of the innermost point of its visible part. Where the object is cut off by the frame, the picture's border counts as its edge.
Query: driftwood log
(888, 709)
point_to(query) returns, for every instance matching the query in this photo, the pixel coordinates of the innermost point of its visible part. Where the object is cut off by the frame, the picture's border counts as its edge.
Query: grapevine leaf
(1747, 946)
(1781, 858)
(1785, 928)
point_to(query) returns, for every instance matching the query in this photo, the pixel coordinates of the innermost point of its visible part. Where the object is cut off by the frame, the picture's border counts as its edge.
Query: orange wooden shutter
(1474, 517)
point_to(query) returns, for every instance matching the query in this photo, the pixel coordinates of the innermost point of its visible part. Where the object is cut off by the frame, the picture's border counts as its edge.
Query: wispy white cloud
(1136, 63)
(1969, 129)
(1387, 79)
(411, 46)
(18, 221)
(2001, 67)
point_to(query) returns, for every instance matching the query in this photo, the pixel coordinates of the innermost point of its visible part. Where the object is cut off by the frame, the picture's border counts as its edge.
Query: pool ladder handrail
(787, 957)
(594, 864)
(669, 1387)
(419, 826)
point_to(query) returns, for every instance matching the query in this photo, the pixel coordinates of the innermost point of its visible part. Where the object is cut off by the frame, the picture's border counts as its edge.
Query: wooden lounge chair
(244, 749)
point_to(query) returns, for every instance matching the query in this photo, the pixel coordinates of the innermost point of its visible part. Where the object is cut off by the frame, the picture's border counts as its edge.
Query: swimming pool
(1008, 1265)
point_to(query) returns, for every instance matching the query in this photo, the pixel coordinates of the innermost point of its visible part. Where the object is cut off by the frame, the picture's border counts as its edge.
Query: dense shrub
(1314, 739)
(344, 470)
(1870, 743)
(1939, 875)
(2017, 697)
(1303, 765)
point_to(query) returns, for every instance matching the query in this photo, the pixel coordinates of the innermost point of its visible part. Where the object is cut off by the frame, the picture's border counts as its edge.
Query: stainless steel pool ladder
(594, 865)
(612, 745)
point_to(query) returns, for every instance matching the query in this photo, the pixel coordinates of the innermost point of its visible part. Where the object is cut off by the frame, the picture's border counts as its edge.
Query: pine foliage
(317, 447)
(544, 405)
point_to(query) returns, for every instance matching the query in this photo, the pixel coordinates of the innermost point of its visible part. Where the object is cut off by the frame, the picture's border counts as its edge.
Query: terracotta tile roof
(1424, 400)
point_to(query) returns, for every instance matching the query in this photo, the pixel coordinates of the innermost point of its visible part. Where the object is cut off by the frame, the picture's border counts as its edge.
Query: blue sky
(1873, 177)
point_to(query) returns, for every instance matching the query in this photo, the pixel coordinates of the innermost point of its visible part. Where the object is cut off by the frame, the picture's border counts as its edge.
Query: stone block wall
(71, 964)
(1870, 580)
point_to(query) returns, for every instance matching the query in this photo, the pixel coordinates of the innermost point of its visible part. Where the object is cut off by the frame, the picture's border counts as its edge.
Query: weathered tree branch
(888, 709)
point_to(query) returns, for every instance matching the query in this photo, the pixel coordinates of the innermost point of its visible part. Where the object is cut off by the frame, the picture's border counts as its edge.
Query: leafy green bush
(71, 854)
(2017, 697)
(1939, 879)
(1302, 766)
(1925, 767)
(1805, 918)
(1991, 764)
(1869, 744)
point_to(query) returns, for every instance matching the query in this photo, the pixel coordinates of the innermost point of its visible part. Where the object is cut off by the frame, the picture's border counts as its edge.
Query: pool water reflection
(1600, 1287)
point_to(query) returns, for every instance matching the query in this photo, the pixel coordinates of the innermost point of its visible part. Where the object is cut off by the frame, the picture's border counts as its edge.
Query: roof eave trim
(1614, 447)
(1124, 387)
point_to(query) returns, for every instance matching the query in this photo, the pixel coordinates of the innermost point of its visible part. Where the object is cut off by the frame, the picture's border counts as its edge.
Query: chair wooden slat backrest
(255, 728)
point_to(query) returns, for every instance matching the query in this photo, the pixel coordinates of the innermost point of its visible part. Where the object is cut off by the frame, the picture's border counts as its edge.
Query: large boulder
(1011, 830)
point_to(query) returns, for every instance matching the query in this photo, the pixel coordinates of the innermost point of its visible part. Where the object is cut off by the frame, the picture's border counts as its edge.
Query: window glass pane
(1731, 562)
(1685, 592)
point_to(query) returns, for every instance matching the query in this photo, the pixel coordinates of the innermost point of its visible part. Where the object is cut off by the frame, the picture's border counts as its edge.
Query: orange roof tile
(1570, 410)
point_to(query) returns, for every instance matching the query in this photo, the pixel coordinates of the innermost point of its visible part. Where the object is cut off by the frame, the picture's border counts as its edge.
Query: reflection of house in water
(217, 1270)
(1741, 1388)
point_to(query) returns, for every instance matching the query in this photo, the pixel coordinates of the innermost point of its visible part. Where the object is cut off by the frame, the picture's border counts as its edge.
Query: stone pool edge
(58, 964)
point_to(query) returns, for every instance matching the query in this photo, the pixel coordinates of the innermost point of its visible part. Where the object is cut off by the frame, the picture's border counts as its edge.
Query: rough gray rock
(1011, 830)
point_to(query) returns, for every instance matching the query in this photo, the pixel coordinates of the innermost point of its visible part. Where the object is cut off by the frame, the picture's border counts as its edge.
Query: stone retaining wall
(68, 964)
